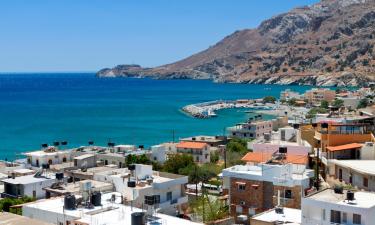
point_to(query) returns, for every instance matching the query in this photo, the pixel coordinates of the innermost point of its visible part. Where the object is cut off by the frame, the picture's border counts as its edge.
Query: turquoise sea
(77, 107)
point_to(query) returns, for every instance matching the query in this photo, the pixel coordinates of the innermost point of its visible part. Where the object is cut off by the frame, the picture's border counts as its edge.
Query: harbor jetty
(209, 109)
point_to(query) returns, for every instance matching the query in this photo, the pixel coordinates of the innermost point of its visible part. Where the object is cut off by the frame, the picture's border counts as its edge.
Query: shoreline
(205, 110)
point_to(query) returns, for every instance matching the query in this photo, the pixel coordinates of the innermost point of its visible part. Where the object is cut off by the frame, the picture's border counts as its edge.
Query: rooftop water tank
(96, 198)
(69, 202)
(138, 218)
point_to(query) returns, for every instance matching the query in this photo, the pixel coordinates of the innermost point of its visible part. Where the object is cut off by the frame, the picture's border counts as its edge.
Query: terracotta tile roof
(258, 157)
(343, 147)
(191, 144)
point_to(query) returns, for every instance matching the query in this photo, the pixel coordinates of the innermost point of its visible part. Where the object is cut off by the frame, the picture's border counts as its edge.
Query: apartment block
(316, 95)
(254, 189)
(199, 151)
(251, 129)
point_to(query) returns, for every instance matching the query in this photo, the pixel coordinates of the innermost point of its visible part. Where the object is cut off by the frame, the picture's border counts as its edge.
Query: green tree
(324, 104)
(178, 162)
(363, 103)
(269, 99)
(338, 103)
(214, 157)
(312, 112)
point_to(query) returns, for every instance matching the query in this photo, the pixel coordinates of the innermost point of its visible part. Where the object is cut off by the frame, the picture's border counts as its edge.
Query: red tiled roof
(191, 144)
(343, 147)
(259, 157)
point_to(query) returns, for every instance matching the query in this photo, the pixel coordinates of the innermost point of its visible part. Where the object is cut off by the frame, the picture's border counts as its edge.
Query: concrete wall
(38, 188)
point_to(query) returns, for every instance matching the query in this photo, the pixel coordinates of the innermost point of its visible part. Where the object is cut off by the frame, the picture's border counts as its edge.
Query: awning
(344, 147)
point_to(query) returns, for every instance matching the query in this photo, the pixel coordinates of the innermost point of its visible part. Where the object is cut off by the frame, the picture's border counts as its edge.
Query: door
(340, 174)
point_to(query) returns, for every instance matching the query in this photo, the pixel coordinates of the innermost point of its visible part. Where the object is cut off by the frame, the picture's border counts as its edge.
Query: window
(169, 196)
(344, 217)
(335, 216)
(356, 219)
(365, 182)
(241, 187)
(288, 193)
(323, 214)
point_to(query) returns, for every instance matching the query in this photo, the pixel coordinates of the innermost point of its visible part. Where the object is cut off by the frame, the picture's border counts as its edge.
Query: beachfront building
(316, 95)
(49, 155)
(289, 94)
(160, 153)
(254, 189)
(170, 187)
(251, 129)
(109, 210)
(328, 207)
(199, 151)
(357, 173)
(30, 185)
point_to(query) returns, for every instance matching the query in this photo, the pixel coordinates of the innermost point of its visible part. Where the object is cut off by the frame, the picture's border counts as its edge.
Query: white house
(160, 152)
(30, 185)
(170, 187)
(50, 155)
(327, 207)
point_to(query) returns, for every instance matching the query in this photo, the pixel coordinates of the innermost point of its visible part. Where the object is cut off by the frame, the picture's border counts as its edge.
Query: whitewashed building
(327, 207)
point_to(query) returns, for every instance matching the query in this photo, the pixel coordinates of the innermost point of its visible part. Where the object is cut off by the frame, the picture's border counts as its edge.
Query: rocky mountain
(328, 43)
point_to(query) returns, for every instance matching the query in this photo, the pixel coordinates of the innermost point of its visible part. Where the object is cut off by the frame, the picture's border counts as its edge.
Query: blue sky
(86, 35)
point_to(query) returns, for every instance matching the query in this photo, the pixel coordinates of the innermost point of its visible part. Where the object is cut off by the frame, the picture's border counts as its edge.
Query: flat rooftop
(289, 216)
(13, 219)
(361, 166)
(113, 213)
(29, 179)
(362, 199)
(75, 187)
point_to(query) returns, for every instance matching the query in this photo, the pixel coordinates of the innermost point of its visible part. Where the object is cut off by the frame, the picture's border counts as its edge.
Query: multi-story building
(199, 151)
(328, 207)
(252, 129)
(316, 95)
(161, 152)
(288, 137)
(254, 189)
(288, 94)
(170, 187)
